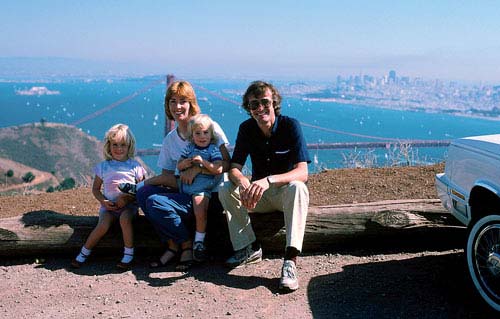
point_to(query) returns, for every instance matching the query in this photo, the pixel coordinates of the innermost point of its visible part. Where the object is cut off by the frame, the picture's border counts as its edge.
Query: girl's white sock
(84, 253)
(128, 255)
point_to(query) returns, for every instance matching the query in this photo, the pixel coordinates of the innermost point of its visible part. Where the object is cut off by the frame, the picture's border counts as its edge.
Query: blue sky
(444, 39)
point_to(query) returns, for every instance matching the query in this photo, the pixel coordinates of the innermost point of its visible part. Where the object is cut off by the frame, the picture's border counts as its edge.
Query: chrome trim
(457, 194)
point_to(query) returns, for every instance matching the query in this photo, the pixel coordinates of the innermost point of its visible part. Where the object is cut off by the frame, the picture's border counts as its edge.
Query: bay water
(71, 100)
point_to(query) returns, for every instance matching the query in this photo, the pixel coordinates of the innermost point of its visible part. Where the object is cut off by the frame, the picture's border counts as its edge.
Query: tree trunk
(395, 223)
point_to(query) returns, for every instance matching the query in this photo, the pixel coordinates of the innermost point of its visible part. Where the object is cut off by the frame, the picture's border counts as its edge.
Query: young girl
(118, 167)
(202, 151)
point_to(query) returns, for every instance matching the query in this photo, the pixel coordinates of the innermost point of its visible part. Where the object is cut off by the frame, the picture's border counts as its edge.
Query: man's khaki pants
(292, 199)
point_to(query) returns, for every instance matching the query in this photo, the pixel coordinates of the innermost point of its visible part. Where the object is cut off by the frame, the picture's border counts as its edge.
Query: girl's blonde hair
(204, 121)
(119, 132)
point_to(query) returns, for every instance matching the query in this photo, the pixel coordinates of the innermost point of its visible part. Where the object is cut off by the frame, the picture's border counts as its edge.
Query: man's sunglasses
(255, 104)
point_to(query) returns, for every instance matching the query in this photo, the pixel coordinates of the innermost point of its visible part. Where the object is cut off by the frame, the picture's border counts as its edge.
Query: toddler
(202, 151)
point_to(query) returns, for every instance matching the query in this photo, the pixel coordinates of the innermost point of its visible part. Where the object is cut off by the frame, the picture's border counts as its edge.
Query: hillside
(15, 183)
(47, 149)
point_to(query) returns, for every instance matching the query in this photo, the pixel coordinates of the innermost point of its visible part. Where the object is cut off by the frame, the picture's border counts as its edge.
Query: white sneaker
(289, 280)
(245, 256)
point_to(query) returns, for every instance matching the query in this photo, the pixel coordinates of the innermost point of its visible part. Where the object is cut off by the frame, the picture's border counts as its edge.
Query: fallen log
(392, 223)
(328, 228)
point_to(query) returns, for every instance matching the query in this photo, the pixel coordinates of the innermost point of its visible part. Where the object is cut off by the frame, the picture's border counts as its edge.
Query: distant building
(37, 90)
(392, 76)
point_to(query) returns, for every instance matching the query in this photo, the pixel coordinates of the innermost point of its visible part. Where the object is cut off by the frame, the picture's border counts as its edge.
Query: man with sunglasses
(279, 158)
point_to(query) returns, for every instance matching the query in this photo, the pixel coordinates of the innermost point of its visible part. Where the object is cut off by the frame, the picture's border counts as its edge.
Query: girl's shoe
(125, 266)
(76, 264)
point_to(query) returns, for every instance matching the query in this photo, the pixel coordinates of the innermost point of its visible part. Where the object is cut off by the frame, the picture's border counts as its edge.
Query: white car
(470, 189)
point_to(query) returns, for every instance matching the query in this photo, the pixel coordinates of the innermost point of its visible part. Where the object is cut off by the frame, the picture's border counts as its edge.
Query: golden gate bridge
(381, 142)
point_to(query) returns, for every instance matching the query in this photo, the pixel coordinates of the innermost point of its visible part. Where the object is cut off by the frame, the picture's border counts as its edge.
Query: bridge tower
(169, 124)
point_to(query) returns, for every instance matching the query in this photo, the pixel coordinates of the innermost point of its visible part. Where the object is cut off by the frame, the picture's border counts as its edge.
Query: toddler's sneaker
(199, 251)
(127, 188)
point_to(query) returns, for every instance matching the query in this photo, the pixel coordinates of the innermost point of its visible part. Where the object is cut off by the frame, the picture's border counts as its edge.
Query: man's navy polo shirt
(274, 155)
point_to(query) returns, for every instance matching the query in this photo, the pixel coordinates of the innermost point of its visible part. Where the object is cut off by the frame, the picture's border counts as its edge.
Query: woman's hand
(188, 175)
(184, 164)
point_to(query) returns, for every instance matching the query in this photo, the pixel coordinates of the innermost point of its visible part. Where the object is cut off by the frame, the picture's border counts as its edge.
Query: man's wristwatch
(270, 179)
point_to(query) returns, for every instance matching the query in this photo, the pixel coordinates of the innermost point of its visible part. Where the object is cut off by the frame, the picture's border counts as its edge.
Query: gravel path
(422, 284)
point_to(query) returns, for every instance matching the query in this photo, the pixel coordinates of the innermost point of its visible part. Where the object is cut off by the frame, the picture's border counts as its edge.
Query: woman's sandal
(172, 254)
(185, 263)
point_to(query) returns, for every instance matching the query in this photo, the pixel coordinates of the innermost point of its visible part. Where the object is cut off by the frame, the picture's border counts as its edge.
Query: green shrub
(67, 183)
(9, 173)
(28, 177)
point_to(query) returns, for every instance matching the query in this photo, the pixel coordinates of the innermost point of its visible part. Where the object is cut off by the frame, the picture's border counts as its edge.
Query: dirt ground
(382, 282)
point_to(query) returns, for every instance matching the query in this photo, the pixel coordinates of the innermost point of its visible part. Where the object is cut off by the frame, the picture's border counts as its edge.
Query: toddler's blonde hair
(119, 133)
(204, 121)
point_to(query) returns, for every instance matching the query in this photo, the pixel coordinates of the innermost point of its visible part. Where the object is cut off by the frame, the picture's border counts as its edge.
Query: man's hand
(251, 194)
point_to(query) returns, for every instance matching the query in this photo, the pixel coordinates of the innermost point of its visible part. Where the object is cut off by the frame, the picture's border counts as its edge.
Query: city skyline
(450, 40)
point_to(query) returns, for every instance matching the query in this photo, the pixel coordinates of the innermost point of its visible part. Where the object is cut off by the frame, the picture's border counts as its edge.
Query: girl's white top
(114, 172)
